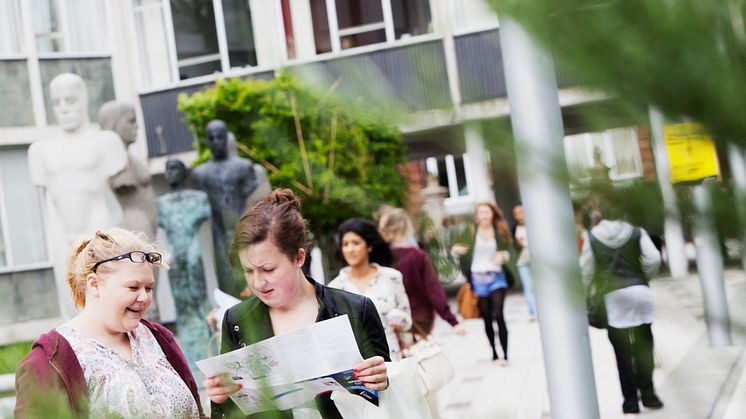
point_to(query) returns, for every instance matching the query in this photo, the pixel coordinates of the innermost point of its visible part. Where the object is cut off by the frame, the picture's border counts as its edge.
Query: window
(22, 240)
(411, 18)
(473, 15)
(343, 24)
(10, 40)
(451, 173)
(95, 71)
(182, 39)
(154, 52)
(239, 33)
(614, 151)
(14, 84)
(68, 36)
(69, 26)
(196, 37)
(14, 98)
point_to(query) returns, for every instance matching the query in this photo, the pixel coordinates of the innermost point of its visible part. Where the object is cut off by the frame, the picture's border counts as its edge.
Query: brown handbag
(467, 302)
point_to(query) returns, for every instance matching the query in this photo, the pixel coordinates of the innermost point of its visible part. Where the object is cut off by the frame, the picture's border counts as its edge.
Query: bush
(11, 355)
(342, 161)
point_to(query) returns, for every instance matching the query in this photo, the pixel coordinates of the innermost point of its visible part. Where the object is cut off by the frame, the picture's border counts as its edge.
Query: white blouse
(146, 386)
(387, 292)
(485, 253)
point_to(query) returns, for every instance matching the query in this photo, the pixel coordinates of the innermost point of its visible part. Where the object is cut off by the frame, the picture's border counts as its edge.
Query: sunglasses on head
(136, 256)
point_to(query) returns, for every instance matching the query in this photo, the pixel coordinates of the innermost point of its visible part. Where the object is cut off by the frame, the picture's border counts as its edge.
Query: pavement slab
(694, 379)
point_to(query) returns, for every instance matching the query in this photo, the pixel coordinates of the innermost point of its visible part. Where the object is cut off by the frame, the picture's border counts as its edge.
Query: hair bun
(284, 197)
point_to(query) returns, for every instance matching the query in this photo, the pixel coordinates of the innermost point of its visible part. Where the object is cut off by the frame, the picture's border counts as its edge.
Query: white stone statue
(132, 185)
(73, 171)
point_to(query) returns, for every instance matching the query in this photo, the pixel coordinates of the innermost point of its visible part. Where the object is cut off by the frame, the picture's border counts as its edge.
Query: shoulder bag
(434, 369)
(467, 302)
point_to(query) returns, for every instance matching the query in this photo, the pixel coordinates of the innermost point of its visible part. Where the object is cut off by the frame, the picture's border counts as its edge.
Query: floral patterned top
(146, 386)
(386, 290)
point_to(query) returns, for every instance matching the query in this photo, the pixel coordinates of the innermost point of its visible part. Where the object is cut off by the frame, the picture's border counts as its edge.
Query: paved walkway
(694, 380)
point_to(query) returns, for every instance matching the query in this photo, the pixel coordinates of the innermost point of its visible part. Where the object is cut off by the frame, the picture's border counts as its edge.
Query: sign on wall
(691, 152)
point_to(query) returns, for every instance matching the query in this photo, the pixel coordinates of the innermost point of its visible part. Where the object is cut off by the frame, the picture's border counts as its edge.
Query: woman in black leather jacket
(271, 240)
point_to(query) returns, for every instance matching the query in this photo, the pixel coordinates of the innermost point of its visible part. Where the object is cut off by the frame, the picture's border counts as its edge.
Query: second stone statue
(229, 181)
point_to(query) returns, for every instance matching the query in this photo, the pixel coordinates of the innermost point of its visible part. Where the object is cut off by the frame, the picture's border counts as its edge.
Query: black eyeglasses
(136, 256)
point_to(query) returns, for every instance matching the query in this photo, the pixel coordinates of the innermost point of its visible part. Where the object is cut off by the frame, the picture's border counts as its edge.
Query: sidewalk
(694, 380)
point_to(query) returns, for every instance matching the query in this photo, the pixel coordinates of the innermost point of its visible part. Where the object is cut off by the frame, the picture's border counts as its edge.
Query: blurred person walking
(523, 264)
(483, 261)
(426, 294)
(366, 257)
(621, 258)
(109, 360)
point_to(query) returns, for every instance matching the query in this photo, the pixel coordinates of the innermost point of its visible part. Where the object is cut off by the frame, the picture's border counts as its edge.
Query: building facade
(438, 60)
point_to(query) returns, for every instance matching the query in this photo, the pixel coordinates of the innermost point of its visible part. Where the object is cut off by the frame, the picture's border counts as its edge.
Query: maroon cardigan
(52, 365)
(426, 294)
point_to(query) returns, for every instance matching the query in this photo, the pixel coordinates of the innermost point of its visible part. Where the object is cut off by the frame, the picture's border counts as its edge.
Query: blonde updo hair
(104, 245)
(395, 224)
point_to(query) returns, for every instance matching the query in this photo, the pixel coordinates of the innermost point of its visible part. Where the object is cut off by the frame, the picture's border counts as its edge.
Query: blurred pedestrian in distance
(483, 260)
(624, 257)
(109, 358)
(366, 258)
(426, 294)
(271, 240)
(383, 209)
(523, 264)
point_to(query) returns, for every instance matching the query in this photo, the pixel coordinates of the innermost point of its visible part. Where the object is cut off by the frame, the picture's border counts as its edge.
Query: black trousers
(633, 348)
(491, 309)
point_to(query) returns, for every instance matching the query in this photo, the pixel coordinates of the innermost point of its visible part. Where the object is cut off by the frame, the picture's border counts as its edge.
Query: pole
(710, 268)
(738, 172)
(672, 230)
(542, 175)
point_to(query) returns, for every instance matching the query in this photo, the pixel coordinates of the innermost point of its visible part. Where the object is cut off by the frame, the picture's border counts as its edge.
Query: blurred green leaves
(687, 57)
(11, 354)
(351, 158)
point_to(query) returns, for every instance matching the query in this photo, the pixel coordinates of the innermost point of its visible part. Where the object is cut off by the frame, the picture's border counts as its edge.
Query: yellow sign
(691, 152)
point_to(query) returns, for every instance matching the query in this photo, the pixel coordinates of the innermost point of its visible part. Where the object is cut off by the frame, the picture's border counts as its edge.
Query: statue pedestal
(433, 196)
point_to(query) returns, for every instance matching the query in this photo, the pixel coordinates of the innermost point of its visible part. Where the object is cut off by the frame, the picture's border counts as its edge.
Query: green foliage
(686, 57)
(11, 355)
(437, 243)
(351, 161)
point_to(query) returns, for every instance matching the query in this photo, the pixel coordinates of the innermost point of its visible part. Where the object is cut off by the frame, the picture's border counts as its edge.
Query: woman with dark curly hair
(365, 256)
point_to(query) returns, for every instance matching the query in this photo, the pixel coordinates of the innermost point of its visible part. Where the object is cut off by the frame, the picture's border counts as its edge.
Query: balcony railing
(481, 69)
(165, 129)
(409, 77)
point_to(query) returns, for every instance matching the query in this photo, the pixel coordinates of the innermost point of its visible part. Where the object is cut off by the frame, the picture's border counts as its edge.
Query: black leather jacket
(248, 323)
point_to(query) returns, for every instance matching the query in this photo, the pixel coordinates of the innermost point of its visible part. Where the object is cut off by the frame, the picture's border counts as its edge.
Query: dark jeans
(491, 309)
(633, 348)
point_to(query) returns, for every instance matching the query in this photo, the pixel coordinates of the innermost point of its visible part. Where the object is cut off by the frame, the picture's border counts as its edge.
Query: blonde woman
(426, 294)
(109, 360)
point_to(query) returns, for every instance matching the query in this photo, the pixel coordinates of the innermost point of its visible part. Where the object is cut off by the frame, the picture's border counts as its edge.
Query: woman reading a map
(271, 240)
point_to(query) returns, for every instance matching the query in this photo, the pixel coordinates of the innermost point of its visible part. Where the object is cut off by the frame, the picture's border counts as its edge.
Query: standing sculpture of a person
(180, 214)
(228, 181)
(73, 170)
(131, 186)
